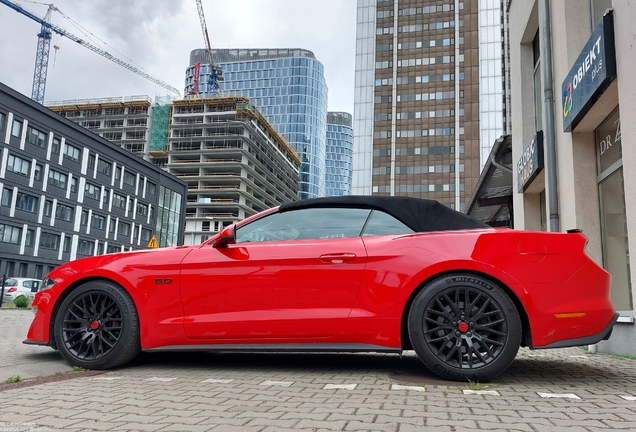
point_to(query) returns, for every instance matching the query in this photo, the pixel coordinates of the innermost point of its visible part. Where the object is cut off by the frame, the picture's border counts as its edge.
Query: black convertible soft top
(421, 215)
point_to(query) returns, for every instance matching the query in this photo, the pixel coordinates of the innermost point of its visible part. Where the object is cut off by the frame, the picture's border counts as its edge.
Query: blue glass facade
(339, 162)
(288, 86)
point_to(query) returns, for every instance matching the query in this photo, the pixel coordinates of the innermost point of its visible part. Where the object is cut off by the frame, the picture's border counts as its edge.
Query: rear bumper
(587, 340)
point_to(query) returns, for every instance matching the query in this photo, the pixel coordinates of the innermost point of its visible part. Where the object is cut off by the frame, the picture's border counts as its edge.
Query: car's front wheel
(464, 327)
(97, 326)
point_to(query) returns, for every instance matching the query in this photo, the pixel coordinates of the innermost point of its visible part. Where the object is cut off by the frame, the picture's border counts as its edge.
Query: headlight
(47, 283)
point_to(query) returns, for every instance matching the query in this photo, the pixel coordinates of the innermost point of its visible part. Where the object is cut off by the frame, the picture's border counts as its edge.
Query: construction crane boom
(40, 72)
(204, 28)
(216, 74)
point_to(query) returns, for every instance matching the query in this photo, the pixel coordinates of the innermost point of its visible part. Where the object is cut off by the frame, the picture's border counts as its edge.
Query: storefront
(594, 154)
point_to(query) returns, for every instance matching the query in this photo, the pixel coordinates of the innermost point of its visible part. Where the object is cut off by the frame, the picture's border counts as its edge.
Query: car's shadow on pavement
(403, 370)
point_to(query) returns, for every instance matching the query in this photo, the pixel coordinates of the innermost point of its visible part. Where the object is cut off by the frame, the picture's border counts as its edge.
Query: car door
(290, 275)
(24, 288)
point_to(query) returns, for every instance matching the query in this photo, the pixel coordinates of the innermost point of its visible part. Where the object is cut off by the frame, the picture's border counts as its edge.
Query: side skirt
(315, 347)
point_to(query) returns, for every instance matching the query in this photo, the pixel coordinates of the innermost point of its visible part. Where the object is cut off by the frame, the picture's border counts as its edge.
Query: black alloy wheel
(464, 327)
(97, 326)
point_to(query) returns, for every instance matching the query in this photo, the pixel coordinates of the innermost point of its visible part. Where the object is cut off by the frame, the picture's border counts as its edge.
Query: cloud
(158, 35)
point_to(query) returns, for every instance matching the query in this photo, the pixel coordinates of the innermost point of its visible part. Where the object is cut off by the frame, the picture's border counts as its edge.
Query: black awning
(491, 201)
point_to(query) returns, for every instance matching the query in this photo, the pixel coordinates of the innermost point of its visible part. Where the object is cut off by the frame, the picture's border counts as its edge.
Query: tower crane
(44, 44)
(216, 73)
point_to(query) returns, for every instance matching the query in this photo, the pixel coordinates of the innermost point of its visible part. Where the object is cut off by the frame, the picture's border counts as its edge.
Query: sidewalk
(27, 361)
(552, 390)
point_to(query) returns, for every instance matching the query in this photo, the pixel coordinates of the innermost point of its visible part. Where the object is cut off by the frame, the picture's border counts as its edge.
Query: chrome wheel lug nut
(458, 334)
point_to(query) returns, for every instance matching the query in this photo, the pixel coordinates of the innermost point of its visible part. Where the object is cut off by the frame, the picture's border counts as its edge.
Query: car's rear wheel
(97, 326)
(464, 327)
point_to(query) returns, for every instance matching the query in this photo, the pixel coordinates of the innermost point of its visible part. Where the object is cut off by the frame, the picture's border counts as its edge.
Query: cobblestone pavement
(552, 390)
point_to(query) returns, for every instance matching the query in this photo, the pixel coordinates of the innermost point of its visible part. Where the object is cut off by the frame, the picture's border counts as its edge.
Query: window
(58, 179)
(18, 165)
(123, 228)
(2, 117)
(312, 223)
(48, 206)
(129, 178)
(49, 241)
(64, 212)
(105, 197)
(611, 192)
(84, 219)
(145, 234)
(55, 148)
(7, 194)
(91, 161)
(30, 238)
(10, 234)
(38, 172)
(104, 167)
(85, 247)
(26, 202)
(151, 188)
(92, 191)
(36, 137)
(16, 131)
(71, 152)
(100, 249)
(67, 245)
(98, 222)
(598, 10)
(74, 185)
(381, 223)
(118, 173)
(538, 107)
(142, 209)
(113, 249)
(119, 201)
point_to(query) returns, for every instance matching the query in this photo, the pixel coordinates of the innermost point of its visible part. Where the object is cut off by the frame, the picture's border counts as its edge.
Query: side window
(381, 223)
(304, 224)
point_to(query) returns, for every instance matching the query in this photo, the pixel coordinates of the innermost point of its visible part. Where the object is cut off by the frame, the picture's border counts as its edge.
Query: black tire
(464, 327)
(97, 326)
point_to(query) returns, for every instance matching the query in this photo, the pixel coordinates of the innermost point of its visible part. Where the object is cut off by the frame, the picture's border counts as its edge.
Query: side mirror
(226, 237)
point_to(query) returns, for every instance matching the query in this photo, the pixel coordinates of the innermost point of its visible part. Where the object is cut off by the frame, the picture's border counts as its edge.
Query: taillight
(14, 289)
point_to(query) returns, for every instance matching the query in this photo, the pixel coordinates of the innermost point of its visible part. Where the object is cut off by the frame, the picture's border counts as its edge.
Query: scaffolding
(160, 124)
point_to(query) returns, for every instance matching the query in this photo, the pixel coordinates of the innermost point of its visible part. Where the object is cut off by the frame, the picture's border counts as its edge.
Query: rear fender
(512, 287)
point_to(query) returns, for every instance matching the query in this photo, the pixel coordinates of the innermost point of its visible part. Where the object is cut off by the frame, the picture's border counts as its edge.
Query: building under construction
(124, 121)
(234, 162)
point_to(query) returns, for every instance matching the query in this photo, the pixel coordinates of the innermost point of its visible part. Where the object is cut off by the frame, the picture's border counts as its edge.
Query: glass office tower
(288, 86)
(339, 168)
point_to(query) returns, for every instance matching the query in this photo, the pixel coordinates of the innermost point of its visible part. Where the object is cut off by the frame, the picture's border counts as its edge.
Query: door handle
(338, 258)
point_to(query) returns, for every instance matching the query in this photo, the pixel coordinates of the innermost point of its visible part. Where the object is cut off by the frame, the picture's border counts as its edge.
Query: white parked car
(17, 286)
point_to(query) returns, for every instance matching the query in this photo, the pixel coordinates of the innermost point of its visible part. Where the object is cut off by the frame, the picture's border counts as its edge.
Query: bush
(21, 302)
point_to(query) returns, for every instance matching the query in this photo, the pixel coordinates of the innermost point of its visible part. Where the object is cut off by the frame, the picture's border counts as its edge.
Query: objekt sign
(593, 71)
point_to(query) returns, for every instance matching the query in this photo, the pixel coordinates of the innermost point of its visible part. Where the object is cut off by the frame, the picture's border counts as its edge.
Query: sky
(158, 35)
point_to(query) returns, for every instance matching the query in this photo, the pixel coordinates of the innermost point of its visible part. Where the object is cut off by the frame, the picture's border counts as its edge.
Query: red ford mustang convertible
(377, 274)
